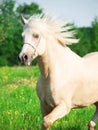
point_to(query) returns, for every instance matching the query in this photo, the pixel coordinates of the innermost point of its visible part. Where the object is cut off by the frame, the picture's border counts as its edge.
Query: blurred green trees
(11, 29)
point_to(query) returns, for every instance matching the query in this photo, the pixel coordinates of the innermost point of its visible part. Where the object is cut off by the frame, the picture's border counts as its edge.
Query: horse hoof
(92, 125)
(47, 122)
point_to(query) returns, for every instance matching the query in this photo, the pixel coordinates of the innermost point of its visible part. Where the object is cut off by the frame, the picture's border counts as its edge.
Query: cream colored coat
(67, 80)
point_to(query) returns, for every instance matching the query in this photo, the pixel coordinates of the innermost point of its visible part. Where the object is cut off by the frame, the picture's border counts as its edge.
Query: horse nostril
(25, 57)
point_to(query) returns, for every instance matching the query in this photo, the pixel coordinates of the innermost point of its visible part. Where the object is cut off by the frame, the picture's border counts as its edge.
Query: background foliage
(11, 28)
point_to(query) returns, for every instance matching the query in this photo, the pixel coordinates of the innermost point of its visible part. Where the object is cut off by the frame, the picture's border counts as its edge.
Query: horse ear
(24, 21)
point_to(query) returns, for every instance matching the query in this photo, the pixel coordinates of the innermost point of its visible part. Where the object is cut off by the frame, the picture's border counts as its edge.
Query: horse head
(37, 31)
(34, 43)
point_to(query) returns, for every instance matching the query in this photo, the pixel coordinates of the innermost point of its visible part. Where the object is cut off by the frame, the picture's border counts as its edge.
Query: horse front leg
(45, 112)
(57, 113)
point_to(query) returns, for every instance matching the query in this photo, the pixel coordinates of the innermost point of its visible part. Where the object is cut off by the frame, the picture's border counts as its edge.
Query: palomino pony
(67, 80)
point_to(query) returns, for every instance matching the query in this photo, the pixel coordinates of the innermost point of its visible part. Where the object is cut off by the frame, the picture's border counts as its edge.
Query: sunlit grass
(19, 104)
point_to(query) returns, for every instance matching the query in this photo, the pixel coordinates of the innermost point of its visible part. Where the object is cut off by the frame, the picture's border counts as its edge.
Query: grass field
(19, 105)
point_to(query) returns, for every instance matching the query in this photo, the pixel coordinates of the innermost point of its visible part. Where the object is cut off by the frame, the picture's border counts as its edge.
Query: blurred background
(83, 15)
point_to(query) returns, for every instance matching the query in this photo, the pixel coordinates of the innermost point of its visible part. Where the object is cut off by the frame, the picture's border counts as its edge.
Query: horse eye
(35, 35)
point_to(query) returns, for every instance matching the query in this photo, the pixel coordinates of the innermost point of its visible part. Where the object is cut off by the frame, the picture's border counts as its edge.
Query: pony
(66, 80)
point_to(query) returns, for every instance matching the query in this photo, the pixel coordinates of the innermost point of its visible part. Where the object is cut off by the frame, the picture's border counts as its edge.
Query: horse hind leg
(92, 123)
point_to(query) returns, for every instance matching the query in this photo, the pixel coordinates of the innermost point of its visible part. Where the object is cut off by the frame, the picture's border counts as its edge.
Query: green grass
(19, 104)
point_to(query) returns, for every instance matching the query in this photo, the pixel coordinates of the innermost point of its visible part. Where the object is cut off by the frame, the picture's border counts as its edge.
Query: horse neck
(54, 56)
(43, 64)
(48, 60)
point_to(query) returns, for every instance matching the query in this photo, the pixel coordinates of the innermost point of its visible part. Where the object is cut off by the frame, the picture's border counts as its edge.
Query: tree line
(11, 29)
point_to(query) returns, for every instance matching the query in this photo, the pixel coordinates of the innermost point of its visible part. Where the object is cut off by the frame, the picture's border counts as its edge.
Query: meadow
(19, 104)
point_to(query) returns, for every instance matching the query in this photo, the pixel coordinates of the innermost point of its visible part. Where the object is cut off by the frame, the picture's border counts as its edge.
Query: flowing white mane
(58, 28)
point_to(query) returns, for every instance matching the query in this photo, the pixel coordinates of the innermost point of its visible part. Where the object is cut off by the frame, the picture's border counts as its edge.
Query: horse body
(75, 84)
(67, 80)
(71, 79)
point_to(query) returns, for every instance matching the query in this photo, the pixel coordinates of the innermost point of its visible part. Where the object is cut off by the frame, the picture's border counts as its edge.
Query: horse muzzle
(24, 59)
